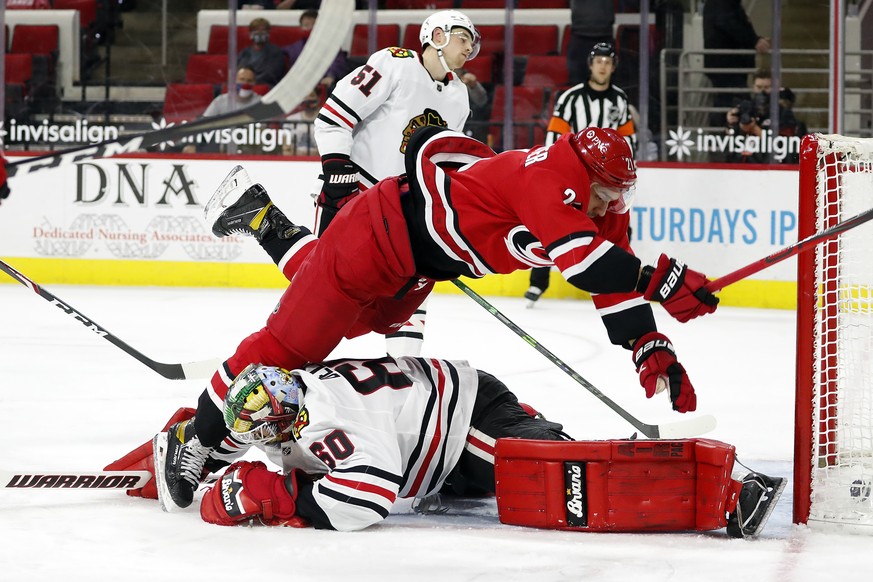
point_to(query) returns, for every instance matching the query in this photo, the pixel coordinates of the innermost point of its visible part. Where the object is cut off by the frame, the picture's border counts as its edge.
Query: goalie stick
(789, 251)
(74, 480)
(670, 430)
(331, 29)
(202, 369)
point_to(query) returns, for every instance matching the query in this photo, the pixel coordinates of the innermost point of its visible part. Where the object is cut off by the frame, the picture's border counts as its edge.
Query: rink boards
(138, 220)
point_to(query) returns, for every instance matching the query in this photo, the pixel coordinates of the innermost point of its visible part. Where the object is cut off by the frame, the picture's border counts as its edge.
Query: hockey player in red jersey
(354, 436)
(461, 210)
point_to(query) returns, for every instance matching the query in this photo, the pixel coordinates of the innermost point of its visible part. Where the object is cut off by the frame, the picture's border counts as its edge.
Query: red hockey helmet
(610, 164)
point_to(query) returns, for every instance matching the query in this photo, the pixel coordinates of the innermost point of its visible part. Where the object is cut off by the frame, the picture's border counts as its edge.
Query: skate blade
(228, 192)
(777, 493)
(159, 446)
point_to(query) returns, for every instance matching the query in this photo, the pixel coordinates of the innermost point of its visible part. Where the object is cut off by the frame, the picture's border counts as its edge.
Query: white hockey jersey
(381, 429)
(372, 112)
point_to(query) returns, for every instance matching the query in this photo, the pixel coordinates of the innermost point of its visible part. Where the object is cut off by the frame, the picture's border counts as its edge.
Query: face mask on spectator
(245, 90)
(260, 37)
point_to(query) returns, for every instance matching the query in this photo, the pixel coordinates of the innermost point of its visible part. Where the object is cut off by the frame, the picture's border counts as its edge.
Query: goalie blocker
(630, 486)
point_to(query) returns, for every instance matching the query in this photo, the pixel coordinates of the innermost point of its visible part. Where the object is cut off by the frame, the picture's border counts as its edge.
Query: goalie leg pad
(142, 458)
(621, 485)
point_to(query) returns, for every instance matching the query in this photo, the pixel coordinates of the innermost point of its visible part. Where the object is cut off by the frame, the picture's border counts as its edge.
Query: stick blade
(687, 428)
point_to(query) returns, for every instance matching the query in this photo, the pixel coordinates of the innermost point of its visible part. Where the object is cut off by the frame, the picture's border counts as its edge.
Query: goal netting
(833, 469)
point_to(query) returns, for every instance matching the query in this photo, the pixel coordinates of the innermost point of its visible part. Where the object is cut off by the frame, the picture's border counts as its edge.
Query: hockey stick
(789, 251)
(669, 430)
(331, 28)
(203, 369)
(75, 480)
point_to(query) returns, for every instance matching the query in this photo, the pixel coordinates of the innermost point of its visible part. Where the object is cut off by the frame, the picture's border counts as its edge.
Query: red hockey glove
(340, 177)
(4, 185)
(142, 458)
(248, 490)
(655, 360)
(679, 289)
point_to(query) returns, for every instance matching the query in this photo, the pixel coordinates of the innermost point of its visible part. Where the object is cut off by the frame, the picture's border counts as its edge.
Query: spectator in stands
(244, 95)
(593, 103)
(477, 93)
(591, 23)
(262, 56)
(302, 129)
(478, 105)
(338, 69)
(727, 26)
(751, 118)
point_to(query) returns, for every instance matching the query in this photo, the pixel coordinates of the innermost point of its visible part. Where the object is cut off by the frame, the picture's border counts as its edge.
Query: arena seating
(19, 70)
(41, 43)
(529, 117)
(203, 68)
(546, 71)
(187, 101)
(386, 35)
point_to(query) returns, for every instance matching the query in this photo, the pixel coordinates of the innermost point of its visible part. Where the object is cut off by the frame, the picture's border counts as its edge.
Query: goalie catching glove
(655, 360)
(249, 490)
(340, 186)
(679, 289)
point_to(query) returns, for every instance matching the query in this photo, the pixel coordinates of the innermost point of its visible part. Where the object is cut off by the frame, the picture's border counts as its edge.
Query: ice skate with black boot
(180, 465)
(757, 500)
(532, 295)
(241, 207)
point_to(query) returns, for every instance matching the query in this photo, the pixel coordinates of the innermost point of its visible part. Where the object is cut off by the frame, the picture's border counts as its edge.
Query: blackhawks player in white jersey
(364, 126)
(353, 436)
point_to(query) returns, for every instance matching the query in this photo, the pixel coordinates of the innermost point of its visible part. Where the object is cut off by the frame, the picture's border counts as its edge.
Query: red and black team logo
(525, 247)
(400, 52)
(428, 118)
(301, 422)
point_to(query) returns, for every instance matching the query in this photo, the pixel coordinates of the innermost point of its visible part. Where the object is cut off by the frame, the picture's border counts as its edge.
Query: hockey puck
(860, 490)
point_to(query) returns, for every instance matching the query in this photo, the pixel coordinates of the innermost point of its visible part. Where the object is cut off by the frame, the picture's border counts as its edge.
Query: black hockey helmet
(602, 49)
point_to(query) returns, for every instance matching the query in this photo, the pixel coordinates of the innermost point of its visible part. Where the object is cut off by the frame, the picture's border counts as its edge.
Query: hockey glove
(656, 364)
(679, 289)
(249, 490)
(340, 186)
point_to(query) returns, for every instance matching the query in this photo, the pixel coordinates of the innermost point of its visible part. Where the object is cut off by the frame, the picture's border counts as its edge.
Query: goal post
(833, 452)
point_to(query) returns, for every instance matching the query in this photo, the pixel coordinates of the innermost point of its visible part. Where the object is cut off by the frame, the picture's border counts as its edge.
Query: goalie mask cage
(833, 456)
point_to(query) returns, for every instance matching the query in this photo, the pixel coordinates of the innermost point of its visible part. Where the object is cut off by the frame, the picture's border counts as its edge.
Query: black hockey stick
(74, 480)
(203, 369)
(789, 251)
(331, 28)
(679, 429)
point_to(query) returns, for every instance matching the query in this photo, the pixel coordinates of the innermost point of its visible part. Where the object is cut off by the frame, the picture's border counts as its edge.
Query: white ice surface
(69, 400)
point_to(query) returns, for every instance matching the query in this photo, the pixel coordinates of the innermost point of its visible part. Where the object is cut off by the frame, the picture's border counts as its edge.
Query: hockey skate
(180, 462)
(240, 207)
(758, 498)
(532, 295)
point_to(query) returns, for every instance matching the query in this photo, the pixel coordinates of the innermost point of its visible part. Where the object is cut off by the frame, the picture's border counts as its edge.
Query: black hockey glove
(340, 186)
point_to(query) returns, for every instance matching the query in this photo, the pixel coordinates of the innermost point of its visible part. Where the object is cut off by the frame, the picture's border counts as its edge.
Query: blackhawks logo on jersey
(301, 422)
(428, 118)
(400, 52)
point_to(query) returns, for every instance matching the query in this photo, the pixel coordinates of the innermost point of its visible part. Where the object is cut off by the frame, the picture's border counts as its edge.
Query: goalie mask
(610, 164)
(261, 404)
(447, 20)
